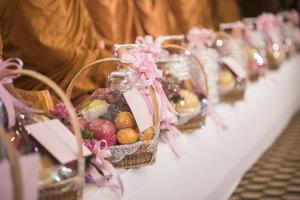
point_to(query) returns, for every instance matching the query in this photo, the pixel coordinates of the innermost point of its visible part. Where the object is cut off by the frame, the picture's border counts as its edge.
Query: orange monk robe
(121, 21)
(228, 11)
(55, 38)
(194, 13)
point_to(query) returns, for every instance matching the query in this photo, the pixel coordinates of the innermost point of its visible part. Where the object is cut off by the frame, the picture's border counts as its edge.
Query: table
(216, 159)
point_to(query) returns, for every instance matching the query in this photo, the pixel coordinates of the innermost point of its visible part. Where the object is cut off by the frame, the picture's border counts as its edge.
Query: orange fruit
(125, 120)
(127, 136)
(147, 135)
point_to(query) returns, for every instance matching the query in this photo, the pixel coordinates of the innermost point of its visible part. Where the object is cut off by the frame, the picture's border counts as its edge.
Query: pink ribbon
(152, 46)
(9, 101)
(171, 137)
(200, 37)
(270, 25)
(293, 17)
(147, 74)
(110, 178)
(218, 120)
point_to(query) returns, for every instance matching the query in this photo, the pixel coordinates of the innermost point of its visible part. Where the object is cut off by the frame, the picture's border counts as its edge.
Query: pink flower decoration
(60, 111)
(199, 37)
(152, 46)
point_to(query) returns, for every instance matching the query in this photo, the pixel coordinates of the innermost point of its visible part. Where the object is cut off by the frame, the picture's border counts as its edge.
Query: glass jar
(184, 82)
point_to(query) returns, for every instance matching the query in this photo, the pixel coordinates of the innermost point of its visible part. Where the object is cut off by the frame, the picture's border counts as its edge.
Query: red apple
(103, 130)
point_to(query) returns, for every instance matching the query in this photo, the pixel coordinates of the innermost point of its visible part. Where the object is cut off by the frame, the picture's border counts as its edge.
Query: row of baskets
(156, 88)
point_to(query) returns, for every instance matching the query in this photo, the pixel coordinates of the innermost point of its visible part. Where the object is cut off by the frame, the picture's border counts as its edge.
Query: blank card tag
(29, 166)
(139, 108)
(234, 66)
(59, 141)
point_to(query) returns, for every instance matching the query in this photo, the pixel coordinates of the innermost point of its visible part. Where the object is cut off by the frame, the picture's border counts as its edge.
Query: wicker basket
(237, 94)
(145, 154)
(197, 121)
(253, 75)
(70, 188)
(14, 165)
(273, 63)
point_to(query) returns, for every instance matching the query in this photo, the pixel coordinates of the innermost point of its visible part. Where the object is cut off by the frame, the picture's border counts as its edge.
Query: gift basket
(200, 42)
(290, 30)
(57, 179)
(257, 46)
(232, 76)
(253, 59)
(15, 171)
(184, 79)
(124, 114)
(271, 25)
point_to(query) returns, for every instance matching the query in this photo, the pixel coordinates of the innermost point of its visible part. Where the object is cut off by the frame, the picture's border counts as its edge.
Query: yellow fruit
(190, 101)
(226, 78)
(127, 136)
(147, 135)
(125, 120)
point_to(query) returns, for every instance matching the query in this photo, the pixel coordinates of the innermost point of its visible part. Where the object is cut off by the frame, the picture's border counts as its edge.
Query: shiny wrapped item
(256, 47)
(56, 181)
(232, 76)
(290, 30)
(107, 117)
(200, 42)
(184, 80)
(271, 26)
(255, 60)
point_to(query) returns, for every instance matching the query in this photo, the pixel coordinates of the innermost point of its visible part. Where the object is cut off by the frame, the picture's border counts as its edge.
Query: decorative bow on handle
(146, 74)
(9, 101)
(270, 24)
(110, 178)
(200, 37)
(293, 16)
(153, 46)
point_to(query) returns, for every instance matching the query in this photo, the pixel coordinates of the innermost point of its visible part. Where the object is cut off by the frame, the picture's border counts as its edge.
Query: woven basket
(146, 153)
(253, 75)
(199, 120)
(273, 64)
(14, 165)
(237, 93)
(70, 188)
(231, 97)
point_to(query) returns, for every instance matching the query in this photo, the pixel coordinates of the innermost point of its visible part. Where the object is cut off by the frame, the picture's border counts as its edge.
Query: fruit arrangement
(226, 80)
(182, 95)
(107, 116)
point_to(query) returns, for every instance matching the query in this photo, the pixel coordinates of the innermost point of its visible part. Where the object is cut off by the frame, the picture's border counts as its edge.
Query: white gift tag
(59, 141)
(139, 108)
(29, 166)
(234, 67)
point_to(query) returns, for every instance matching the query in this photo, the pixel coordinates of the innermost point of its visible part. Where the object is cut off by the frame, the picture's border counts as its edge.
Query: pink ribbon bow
(110, 178)
(152, 46)
(293, 16)
(270, 25)
(171, 137)
(147, 74)
(9, 101)
(200, 37)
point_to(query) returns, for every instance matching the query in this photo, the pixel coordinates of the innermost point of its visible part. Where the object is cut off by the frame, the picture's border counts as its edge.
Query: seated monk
(55, 38)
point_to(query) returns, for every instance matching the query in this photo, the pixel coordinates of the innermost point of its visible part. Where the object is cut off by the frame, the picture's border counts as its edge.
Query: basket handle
(179, 38)
(117, 47)
(230, 25)
(13, 158)
(174, 46)
(73, 117)
(83, 69)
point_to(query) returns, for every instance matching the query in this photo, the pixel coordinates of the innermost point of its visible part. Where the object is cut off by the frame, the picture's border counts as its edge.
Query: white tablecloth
(216, 159)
